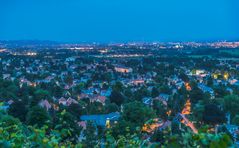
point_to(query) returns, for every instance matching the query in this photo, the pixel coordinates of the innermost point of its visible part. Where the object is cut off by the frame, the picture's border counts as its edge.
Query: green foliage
(38, 116)
(18, 109)
(111, 107)
(39, 95)
(154, 92)
(116, 97)
(67, 124)
(235, 120)
(90, 133)
(137, 113)
(213, 115)
(14, 134)
(11, 132)
(231, 104)
(160, 109)
(126, 140)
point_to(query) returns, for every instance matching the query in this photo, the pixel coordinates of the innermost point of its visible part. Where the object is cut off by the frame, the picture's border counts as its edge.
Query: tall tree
(38, 116)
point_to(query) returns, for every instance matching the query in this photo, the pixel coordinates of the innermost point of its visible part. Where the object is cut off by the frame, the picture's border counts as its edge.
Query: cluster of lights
(31, 53)
(2, 50)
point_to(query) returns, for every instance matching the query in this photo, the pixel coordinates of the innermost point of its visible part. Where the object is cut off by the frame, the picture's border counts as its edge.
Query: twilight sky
(119, 20)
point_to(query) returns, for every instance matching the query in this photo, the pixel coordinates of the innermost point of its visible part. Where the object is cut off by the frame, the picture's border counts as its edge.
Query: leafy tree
(213, 115)
(95, 108)
(75, 109)
(38, 116)
(137, 113)
(220, 92)
(196, 95)
(126, 140)
(57, 91)
(124, 127)
(116, 97)
(11, 132)
(142, 92)
(67, 124)
(111, 107)
(118, 87)
(231, 104)
(39, 95)
(91, 135)
(154, 92)
(235, 120)
(18, 110)
(158, 136)
(184, 77)
(160, 109)
(165, 89)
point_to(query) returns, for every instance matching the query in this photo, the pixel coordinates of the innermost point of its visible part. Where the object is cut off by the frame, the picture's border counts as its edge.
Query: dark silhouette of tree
(213, 115)
(116, 97)
(18, 109)
(38, 116)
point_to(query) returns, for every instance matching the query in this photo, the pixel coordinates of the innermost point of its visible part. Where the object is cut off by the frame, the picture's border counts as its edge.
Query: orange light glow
(188, 87)
(187, 108)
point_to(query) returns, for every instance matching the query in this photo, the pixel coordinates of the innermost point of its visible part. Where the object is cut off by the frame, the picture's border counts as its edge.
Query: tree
(18, 109)
(154, 92)
(213, 115)
(112, 107)
(126, 140)
(142, 92)
(196, 94)
(11, 132)
(39, 95)
(160, 109)
(69, 79)
(165, 89)
(184, 77)
(57, 91)
(124, 127)
(137, 113)
(67, 124)
(118, 87)
(38, 116)
(116, 97)
(235, 120)
(75, 109)
(91, 135)
(220, 92)
(210, 82)
(231, 104)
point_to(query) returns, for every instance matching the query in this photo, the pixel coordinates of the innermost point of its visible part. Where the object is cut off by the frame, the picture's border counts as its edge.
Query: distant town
(175, 94)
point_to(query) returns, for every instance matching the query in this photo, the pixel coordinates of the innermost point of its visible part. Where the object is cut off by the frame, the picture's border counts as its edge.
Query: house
(5, 105)
(106, 93)
(67, 102)
(101, 120)
(147, 100)
(137, 82)
(45, 104)
(6, 76)
(62, 101)
(123, 69)
(206, 89)
(91, 91)
(164, 97)
(234, 132)
(98, 98)
(70, 59)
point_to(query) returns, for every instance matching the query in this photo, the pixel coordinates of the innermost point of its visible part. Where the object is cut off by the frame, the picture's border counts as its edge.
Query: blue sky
(119, 20)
